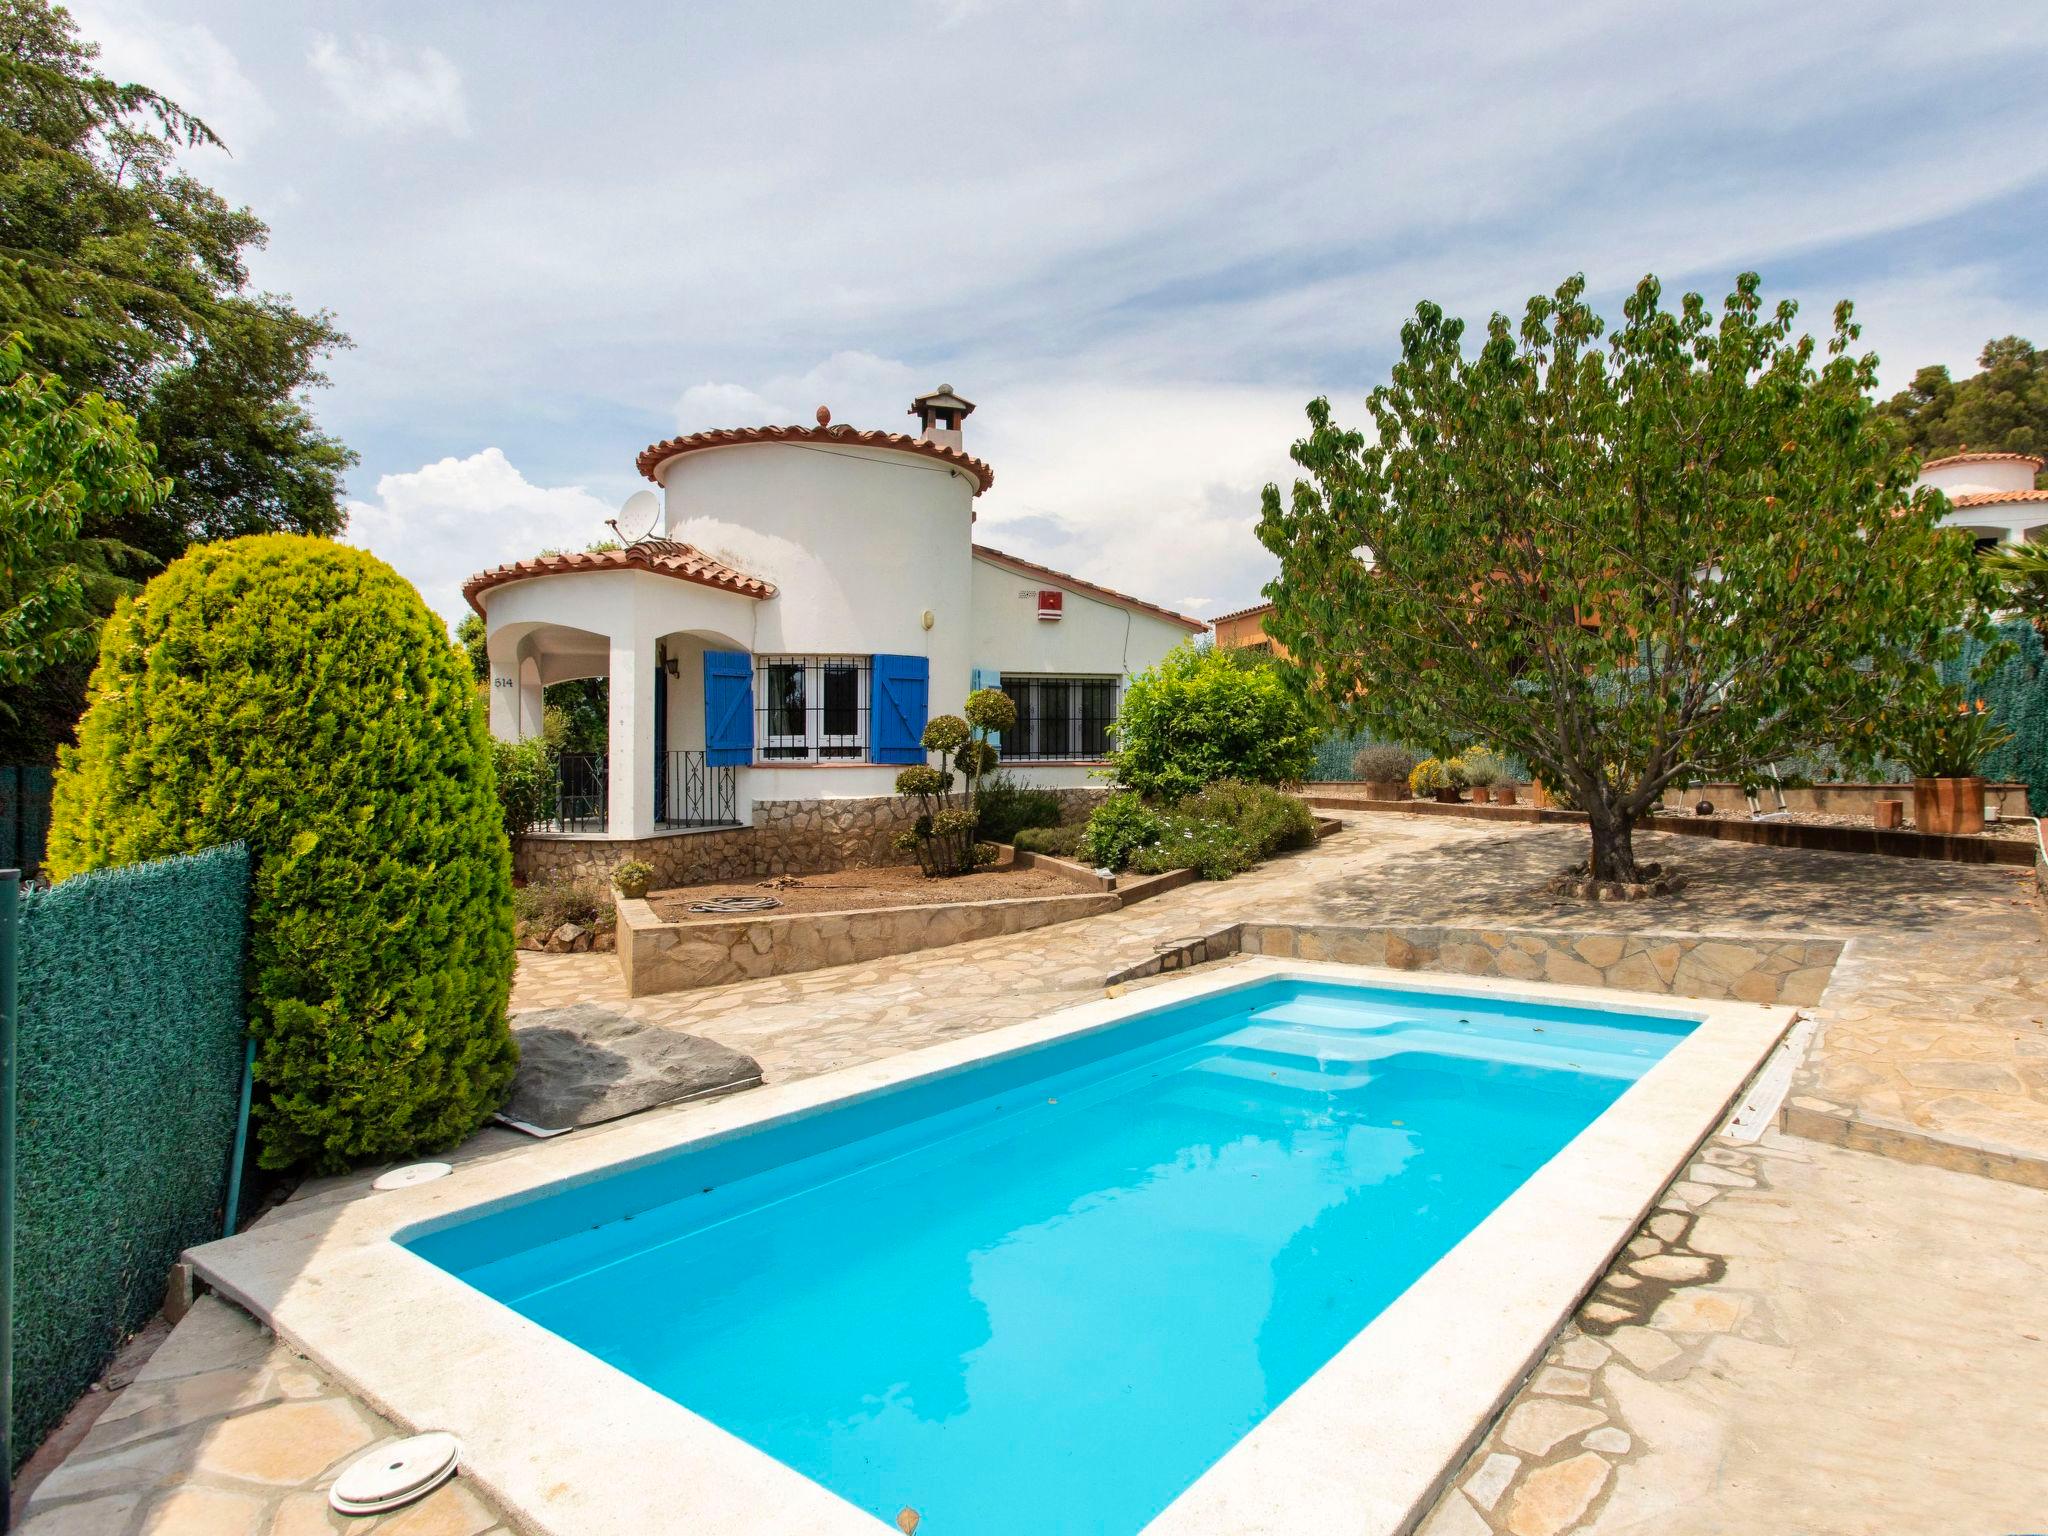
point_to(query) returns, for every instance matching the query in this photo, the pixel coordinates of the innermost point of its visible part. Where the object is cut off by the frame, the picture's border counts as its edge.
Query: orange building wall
(1234, 631)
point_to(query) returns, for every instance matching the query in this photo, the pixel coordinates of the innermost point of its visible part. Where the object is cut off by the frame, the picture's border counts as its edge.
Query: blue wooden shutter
(902, 690)
(728, 708)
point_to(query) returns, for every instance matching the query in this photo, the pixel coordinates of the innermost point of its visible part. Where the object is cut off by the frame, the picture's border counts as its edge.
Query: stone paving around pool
(1803, 1337)
(226, 1432)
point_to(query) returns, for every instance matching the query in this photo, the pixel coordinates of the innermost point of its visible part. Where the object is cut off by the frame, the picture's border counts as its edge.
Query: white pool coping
(571, 1446)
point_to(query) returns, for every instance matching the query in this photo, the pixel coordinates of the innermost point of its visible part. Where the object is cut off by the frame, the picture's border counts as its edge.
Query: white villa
(1992, 495)
(809, 597)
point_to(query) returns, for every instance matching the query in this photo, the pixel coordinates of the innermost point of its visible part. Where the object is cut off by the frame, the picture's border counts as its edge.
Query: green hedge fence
(130, 1031)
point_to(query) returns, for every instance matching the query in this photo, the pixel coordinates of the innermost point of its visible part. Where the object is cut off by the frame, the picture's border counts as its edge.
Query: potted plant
(631, 879)
(1483, 770)
(1444, 780)
(1383, 770)
(1944, 750)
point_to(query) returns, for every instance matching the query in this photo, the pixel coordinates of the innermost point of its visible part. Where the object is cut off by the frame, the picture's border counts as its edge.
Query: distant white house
(809, 597)
(1991, 495)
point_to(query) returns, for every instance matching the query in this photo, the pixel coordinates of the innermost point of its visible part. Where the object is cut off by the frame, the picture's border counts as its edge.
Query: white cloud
(443, 522)
(860, 388)
(184, 61)
(381, 87)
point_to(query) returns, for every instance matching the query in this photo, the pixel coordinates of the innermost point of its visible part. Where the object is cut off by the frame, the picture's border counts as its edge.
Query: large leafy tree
(2002, 409)
(126, 276)
(63, 464)
(1686, 552)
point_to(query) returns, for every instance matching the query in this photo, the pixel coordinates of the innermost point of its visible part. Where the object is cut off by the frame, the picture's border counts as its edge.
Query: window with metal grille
(1059, 718)
(811, 709)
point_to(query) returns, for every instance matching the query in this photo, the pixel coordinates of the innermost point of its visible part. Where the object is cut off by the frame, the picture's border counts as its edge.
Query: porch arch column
(631, 791)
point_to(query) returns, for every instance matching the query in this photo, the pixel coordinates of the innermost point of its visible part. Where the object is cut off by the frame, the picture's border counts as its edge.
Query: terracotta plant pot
(1481, 794)
(1949, 807)
(1449, 796)
(1889, 815)
(1503, 794)
(1392, 789)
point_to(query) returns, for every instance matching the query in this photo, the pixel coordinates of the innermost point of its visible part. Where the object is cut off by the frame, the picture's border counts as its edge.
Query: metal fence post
(10, 910)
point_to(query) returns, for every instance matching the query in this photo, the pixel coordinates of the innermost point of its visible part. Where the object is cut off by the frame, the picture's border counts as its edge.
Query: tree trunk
(1614, 855)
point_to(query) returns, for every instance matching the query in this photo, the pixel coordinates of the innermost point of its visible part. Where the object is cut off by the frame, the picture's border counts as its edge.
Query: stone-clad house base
(788, 837)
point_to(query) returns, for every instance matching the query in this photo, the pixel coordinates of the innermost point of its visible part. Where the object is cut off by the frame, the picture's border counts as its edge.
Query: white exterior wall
(2011, 521)
(861, 544)
(1091, 638)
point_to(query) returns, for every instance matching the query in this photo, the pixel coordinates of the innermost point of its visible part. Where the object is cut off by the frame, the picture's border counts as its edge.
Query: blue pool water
(1045, 1293)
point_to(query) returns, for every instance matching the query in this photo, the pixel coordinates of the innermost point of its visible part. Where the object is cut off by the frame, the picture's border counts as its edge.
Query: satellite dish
(637, 517)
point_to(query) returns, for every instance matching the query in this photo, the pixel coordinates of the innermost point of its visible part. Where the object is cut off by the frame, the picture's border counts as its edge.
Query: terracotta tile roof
(653, 457)
(1121, 599)
(664, 557)
(1242, 613)
(1995, 498)
(1986, 458)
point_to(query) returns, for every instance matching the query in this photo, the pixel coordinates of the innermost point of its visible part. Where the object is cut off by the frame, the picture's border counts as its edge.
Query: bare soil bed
(2018, 831)
(857, 890)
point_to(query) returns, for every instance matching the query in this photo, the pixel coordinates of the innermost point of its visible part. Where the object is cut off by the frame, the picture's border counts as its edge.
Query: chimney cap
(941, 398)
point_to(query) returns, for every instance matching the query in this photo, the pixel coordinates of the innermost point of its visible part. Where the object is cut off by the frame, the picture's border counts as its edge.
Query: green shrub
(297, 695)
(525, 774)
(1271, 822)
(1198, 717)
(1480, 767)
(1121, 825)
(1214, 849)
(1382, 764)
(1061, 842)
(943, 834)
(632, 878)
(1005, 807)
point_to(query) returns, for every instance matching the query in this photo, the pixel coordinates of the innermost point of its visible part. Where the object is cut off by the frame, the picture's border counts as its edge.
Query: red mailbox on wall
(1050, 600)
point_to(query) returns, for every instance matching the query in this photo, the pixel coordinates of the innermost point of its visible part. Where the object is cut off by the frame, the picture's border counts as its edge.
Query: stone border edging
(1761, 969)
(1769, 834)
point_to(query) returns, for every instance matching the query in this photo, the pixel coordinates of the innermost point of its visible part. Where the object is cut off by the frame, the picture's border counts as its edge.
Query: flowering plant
(1951, 743)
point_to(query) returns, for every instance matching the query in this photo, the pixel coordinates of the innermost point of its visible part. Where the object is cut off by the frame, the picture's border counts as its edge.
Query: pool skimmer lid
(411, 1174)
(392, 1476)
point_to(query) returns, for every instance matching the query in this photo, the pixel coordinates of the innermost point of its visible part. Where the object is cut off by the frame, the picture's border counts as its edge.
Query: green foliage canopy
(1685, 554)
(63, 464)
(2002, 409)
(126, 276)
(297, 695)
(1203, 715)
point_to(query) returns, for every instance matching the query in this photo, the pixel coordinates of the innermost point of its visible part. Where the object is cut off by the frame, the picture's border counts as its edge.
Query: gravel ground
(2016, 831)
(853, 890)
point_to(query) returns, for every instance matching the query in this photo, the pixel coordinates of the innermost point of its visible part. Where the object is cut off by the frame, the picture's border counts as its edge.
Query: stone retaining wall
(1750, 969)
(674, 957)
(1822, 838)
(788, 837)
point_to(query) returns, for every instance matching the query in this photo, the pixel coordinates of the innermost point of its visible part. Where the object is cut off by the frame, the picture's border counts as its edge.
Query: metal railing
(1059, 718)
(581, 782)
(811, 709)
(690, 791)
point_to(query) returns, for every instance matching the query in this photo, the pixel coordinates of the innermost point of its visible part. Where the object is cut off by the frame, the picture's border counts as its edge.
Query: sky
(1140, 236)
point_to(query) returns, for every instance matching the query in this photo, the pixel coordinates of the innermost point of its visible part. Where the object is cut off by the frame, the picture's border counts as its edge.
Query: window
(813, 709)
(1059, 718)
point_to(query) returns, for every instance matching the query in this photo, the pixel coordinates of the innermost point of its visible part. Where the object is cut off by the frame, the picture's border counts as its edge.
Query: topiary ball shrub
(298, 695)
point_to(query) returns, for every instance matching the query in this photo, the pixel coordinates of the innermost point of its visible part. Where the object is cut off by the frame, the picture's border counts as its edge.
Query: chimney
(939, 415)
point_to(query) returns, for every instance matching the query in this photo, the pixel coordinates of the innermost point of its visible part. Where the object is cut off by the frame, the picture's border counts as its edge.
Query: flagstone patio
(1800, 1333)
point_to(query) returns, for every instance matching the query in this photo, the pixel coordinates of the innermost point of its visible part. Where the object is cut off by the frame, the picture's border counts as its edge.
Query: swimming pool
(1045, 1294)
(573, 1443)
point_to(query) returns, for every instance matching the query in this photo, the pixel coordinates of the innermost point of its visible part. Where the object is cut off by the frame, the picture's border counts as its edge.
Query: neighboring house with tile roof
(809, 597)
(1245, 630)
(1991, 496)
